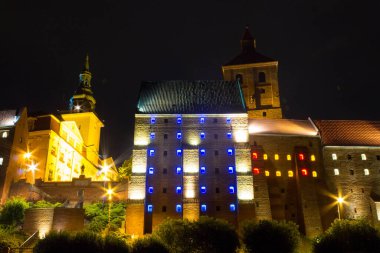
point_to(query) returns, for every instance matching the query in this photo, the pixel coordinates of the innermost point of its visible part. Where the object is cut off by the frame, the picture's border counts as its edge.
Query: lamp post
(109, 193)
(340, 200)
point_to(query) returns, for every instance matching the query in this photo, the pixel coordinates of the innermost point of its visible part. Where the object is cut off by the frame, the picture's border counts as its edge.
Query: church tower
(258, 77)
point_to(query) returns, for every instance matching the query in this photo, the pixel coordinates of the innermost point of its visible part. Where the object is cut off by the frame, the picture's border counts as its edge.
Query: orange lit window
(288, 157)
(267, 173)
(254, 155)
(265, 157)
(256, 171)
(312, 158)
(290, 173)
(304, 172)
(301, 157)
(276, 157)
(278, 173)
(314, 173)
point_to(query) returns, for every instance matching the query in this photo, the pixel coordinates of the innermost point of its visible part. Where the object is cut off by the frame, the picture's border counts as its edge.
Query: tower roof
(190, 97)
(248, 51)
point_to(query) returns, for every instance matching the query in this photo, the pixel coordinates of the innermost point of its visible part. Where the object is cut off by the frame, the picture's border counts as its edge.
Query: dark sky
(328, 52)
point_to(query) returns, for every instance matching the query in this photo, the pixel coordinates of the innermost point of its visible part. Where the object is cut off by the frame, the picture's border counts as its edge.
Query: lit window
(203, 208)
(304, 172)
(267, 173)
(203, 189)
(151, 152)
(151, 170)
(179, 170)
(179, 152)
(178, 190)
(312, 158)
(202, 151)
(179, 135)
(201, 120)
(364, 157)
(231, 189)
(314, 173)
(278, 173)
(276, 157)
(152, 120)
(336, 172)
(178, 208)
(203, 170)
(232, 207)
(229, 135)
(150, 208)
(254, 156)
(301, 157)
(152, 135)
(4, 134)
(1, 160)
(366, 172)
(202, 134)
(290, 173)
(288, 157)
(230, 151)
(230, 169)
(179, 120)
(256, 171)
(265, 156)
(228, 120)
(334, 157)
(150, 189)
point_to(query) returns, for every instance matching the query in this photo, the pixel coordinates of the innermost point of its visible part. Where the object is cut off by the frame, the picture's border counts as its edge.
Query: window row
(300, 156)
(363, 157)
(202, 189)
(352, 172)
(278, 173)
(202, 120)
(202, 152)
(202, 170)
(202, 135)
(203, 208)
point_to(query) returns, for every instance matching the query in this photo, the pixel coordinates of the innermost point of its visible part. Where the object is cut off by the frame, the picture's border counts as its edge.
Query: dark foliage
(149, 244)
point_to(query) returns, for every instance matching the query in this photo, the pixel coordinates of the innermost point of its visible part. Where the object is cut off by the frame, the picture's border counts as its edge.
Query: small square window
(215, 136)
(232, 207)
(378, 157)
(334, 156)
(179, 135)
(217, 208)
(1, 160)
(256, 171)
(165, 171)
(301, 157)
(151, 152)
(228, 120)
(216, 152)
(364, 157)
(178, 190)
(151, 170)
(163, 209)
(229, 135)
(150, 189)
(179, 152)
(290, 173)
(150, 208)
(203, 208)
(366, 172)
(230, 170)
(179, 170)
(202, 120)
(230, 151)
(178, 208)
(314, 173)
(231, 189)
(202, 151)
(215, 120)
(166, 120)
(179, 120)
(351, 172)
(165, 153)
(349, 157)
(276, 157)
(288, 157)
(203, 189)
(203, 170)
(152, 135)
(267, 173)
(217, 190)
(152, 120)
(278, 173)
(164, 190)
(336, 172)
(165, 136)
(304, 172)
(265, 157)
(202, 135)
(216, 170)
(312, 158)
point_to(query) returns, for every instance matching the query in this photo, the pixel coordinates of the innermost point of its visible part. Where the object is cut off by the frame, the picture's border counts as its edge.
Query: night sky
(328, 53)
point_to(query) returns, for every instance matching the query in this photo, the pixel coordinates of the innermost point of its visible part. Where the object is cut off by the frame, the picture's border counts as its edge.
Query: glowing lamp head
(33, 167)
(340, 200)
(77, 107)
(109, 193)
(27, 155)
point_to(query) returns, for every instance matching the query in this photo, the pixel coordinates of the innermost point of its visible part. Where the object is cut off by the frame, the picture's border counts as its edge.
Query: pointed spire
(248, 42)
(87, 64)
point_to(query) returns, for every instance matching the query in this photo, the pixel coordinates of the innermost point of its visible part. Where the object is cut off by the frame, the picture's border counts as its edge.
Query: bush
(97, 215)
(44, 204)
(13, 211)
(54, 242)
(348, 236)
(10, 237)
(149, 244)
(270, 236)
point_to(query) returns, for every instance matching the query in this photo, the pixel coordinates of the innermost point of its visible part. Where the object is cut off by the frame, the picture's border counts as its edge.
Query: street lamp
(109, 193)
(340, 201)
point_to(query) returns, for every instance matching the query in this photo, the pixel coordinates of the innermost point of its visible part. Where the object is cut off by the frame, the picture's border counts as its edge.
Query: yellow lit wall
(137, 188)
(245, 187)
(190, 161)
(139, 161)
(190, 187)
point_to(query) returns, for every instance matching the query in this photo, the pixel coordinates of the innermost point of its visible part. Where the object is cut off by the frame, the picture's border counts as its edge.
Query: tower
(258, 77)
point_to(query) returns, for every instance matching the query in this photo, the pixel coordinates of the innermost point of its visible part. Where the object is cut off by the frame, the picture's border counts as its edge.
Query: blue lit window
(230, 151)
(150, 189)
(231, 189)
(203, 170)
(150, 208)
(152, 135)
(152, 120)
(179, 135)
(203, 189)
(179, 152)
(229, 135)
(202, 135)
(203, 208)
(178, 190)
(202, 120)
(151, 170)
(151, 152)
(232, 207)
(228, 120)
(179, 120)
(178, 208)
(179, 170)
(202, 152)
(231, 169)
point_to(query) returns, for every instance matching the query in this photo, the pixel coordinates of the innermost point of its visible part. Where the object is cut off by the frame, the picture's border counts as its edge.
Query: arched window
(239, 78)
(262, 77)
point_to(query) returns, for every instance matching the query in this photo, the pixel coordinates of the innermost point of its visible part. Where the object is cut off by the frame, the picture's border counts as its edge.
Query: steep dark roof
(196, 97)
(349, 132)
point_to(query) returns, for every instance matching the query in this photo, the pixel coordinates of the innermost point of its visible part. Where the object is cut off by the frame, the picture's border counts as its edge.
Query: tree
(13, 211)
(125, 171)
(348, 236)
(57, 242)
(149, 244)
(205, 235)
(97, 215)
(270, 236)
(10, 237)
